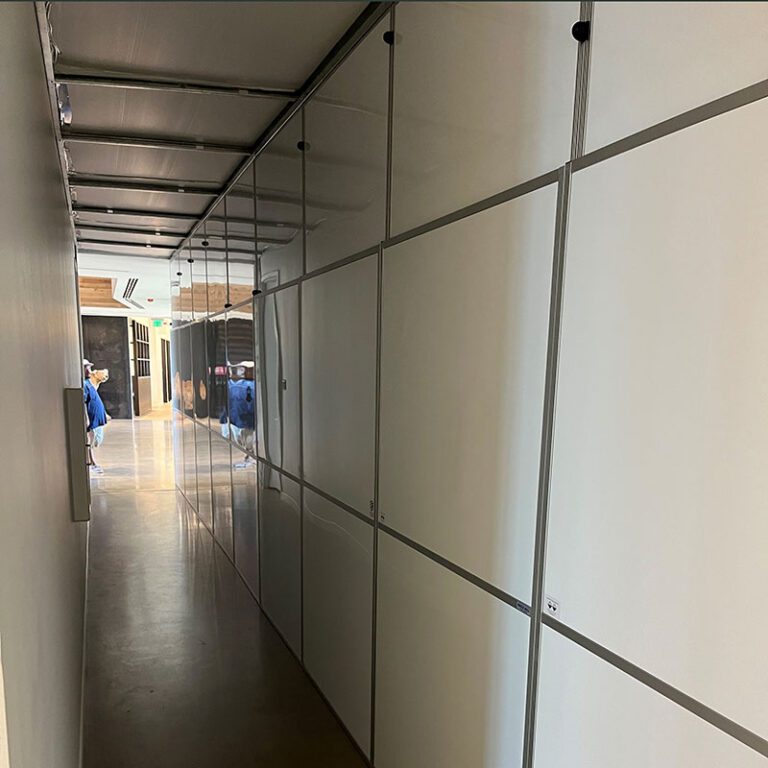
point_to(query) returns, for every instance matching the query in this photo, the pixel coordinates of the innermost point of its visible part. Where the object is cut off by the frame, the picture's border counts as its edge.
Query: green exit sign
(157, 323)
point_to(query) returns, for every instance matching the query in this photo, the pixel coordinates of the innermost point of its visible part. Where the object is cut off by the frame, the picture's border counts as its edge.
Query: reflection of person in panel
(242, 398)
(97, 415)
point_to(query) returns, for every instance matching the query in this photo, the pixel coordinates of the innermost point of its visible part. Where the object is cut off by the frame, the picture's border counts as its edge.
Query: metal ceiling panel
(190, 116)
(143, 201)
(133, 250)
(269, 44)
(85, 233)
(157, 223)
(152, 163)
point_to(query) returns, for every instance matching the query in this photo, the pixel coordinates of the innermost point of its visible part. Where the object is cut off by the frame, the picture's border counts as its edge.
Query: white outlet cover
(552, 607)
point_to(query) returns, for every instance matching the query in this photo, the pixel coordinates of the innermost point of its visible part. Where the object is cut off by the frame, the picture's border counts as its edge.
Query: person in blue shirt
(242, 414)
(97, 415)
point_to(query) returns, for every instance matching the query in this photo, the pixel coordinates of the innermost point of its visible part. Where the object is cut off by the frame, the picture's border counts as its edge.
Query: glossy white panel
(280, 521)
(657, 516)
(279, 389)
(338, 594)
(483, 100)
(592, 715)
(222, 492)
(339, 376)
(451, 668)
(190, 461)
(279, 207)
(204, 486)
(245, 517)
(346, 163)
(652, 61)
(178, 448)
(462, 385)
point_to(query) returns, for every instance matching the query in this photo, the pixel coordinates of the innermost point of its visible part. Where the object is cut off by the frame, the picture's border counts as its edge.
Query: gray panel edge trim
(740, 98)
(468, 576)
(580, 99)
(545, 462)
(504, 196)
(695, 707)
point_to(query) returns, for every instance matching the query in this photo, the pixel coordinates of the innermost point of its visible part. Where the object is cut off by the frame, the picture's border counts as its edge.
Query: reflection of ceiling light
(148, 245)
(110, 210)
(157, 233)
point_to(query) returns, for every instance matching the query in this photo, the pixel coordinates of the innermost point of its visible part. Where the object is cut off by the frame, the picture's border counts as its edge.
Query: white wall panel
(451, 668)
(658, 515)
(221, 474)
(245, 516)
(591, 714)
(652, 61)
(280, 521)
(279, 391)
(483, 100)
(346, 163)
(338, 593)
(339, 377)
(204, 486)
(464, 341)
(279, 207)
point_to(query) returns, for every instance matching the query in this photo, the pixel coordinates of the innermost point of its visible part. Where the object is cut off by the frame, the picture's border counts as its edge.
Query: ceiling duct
(130, 287)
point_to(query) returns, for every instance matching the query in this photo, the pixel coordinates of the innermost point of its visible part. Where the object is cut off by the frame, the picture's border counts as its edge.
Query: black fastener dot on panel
(255, 292)
(205, 243)
(389, 37)
(191, 261)
(227, 305)
(179, 274)
(580, 31)
(303, 146)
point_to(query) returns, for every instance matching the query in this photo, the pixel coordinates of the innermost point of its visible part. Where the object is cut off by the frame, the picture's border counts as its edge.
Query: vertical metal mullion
(582, 85)
(301, 364)
(377, 405)
(228, 302)
(545, 463)
(254, 346)
(256, 260)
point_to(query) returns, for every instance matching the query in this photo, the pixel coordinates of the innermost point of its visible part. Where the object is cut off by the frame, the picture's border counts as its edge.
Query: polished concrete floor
(182, 668)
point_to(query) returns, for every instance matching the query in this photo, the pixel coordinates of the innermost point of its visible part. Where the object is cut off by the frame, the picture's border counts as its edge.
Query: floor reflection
(182, 668)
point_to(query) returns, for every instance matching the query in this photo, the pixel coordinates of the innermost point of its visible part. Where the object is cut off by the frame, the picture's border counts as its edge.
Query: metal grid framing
(562, 177)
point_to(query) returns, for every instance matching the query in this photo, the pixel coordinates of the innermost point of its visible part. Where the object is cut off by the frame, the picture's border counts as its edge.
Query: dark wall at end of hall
(105, 344)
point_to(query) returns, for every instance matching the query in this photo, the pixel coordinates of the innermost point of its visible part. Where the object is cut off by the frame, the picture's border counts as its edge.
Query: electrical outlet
(552, 606)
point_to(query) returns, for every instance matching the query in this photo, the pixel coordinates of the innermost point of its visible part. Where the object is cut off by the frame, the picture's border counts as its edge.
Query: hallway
(182, 668)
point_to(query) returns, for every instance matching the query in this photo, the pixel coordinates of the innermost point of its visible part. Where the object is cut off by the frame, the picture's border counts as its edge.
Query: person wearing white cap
(97, 415)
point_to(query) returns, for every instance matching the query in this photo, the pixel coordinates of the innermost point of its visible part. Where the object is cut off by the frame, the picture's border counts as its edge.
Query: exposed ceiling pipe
(151, 142)
(86, 76)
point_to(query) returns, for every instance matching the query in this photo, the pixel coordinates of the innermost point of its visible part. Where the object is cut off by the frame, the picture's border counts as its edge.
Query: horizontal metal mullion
(719, 721)
(132, 82)
(481, 205)
(505, 597)
(152, 142)
(687, 119)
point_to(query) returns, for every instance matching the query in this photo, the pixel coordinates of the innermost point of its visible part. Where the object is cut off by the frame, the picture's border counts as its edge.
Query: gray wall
(42, 553)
